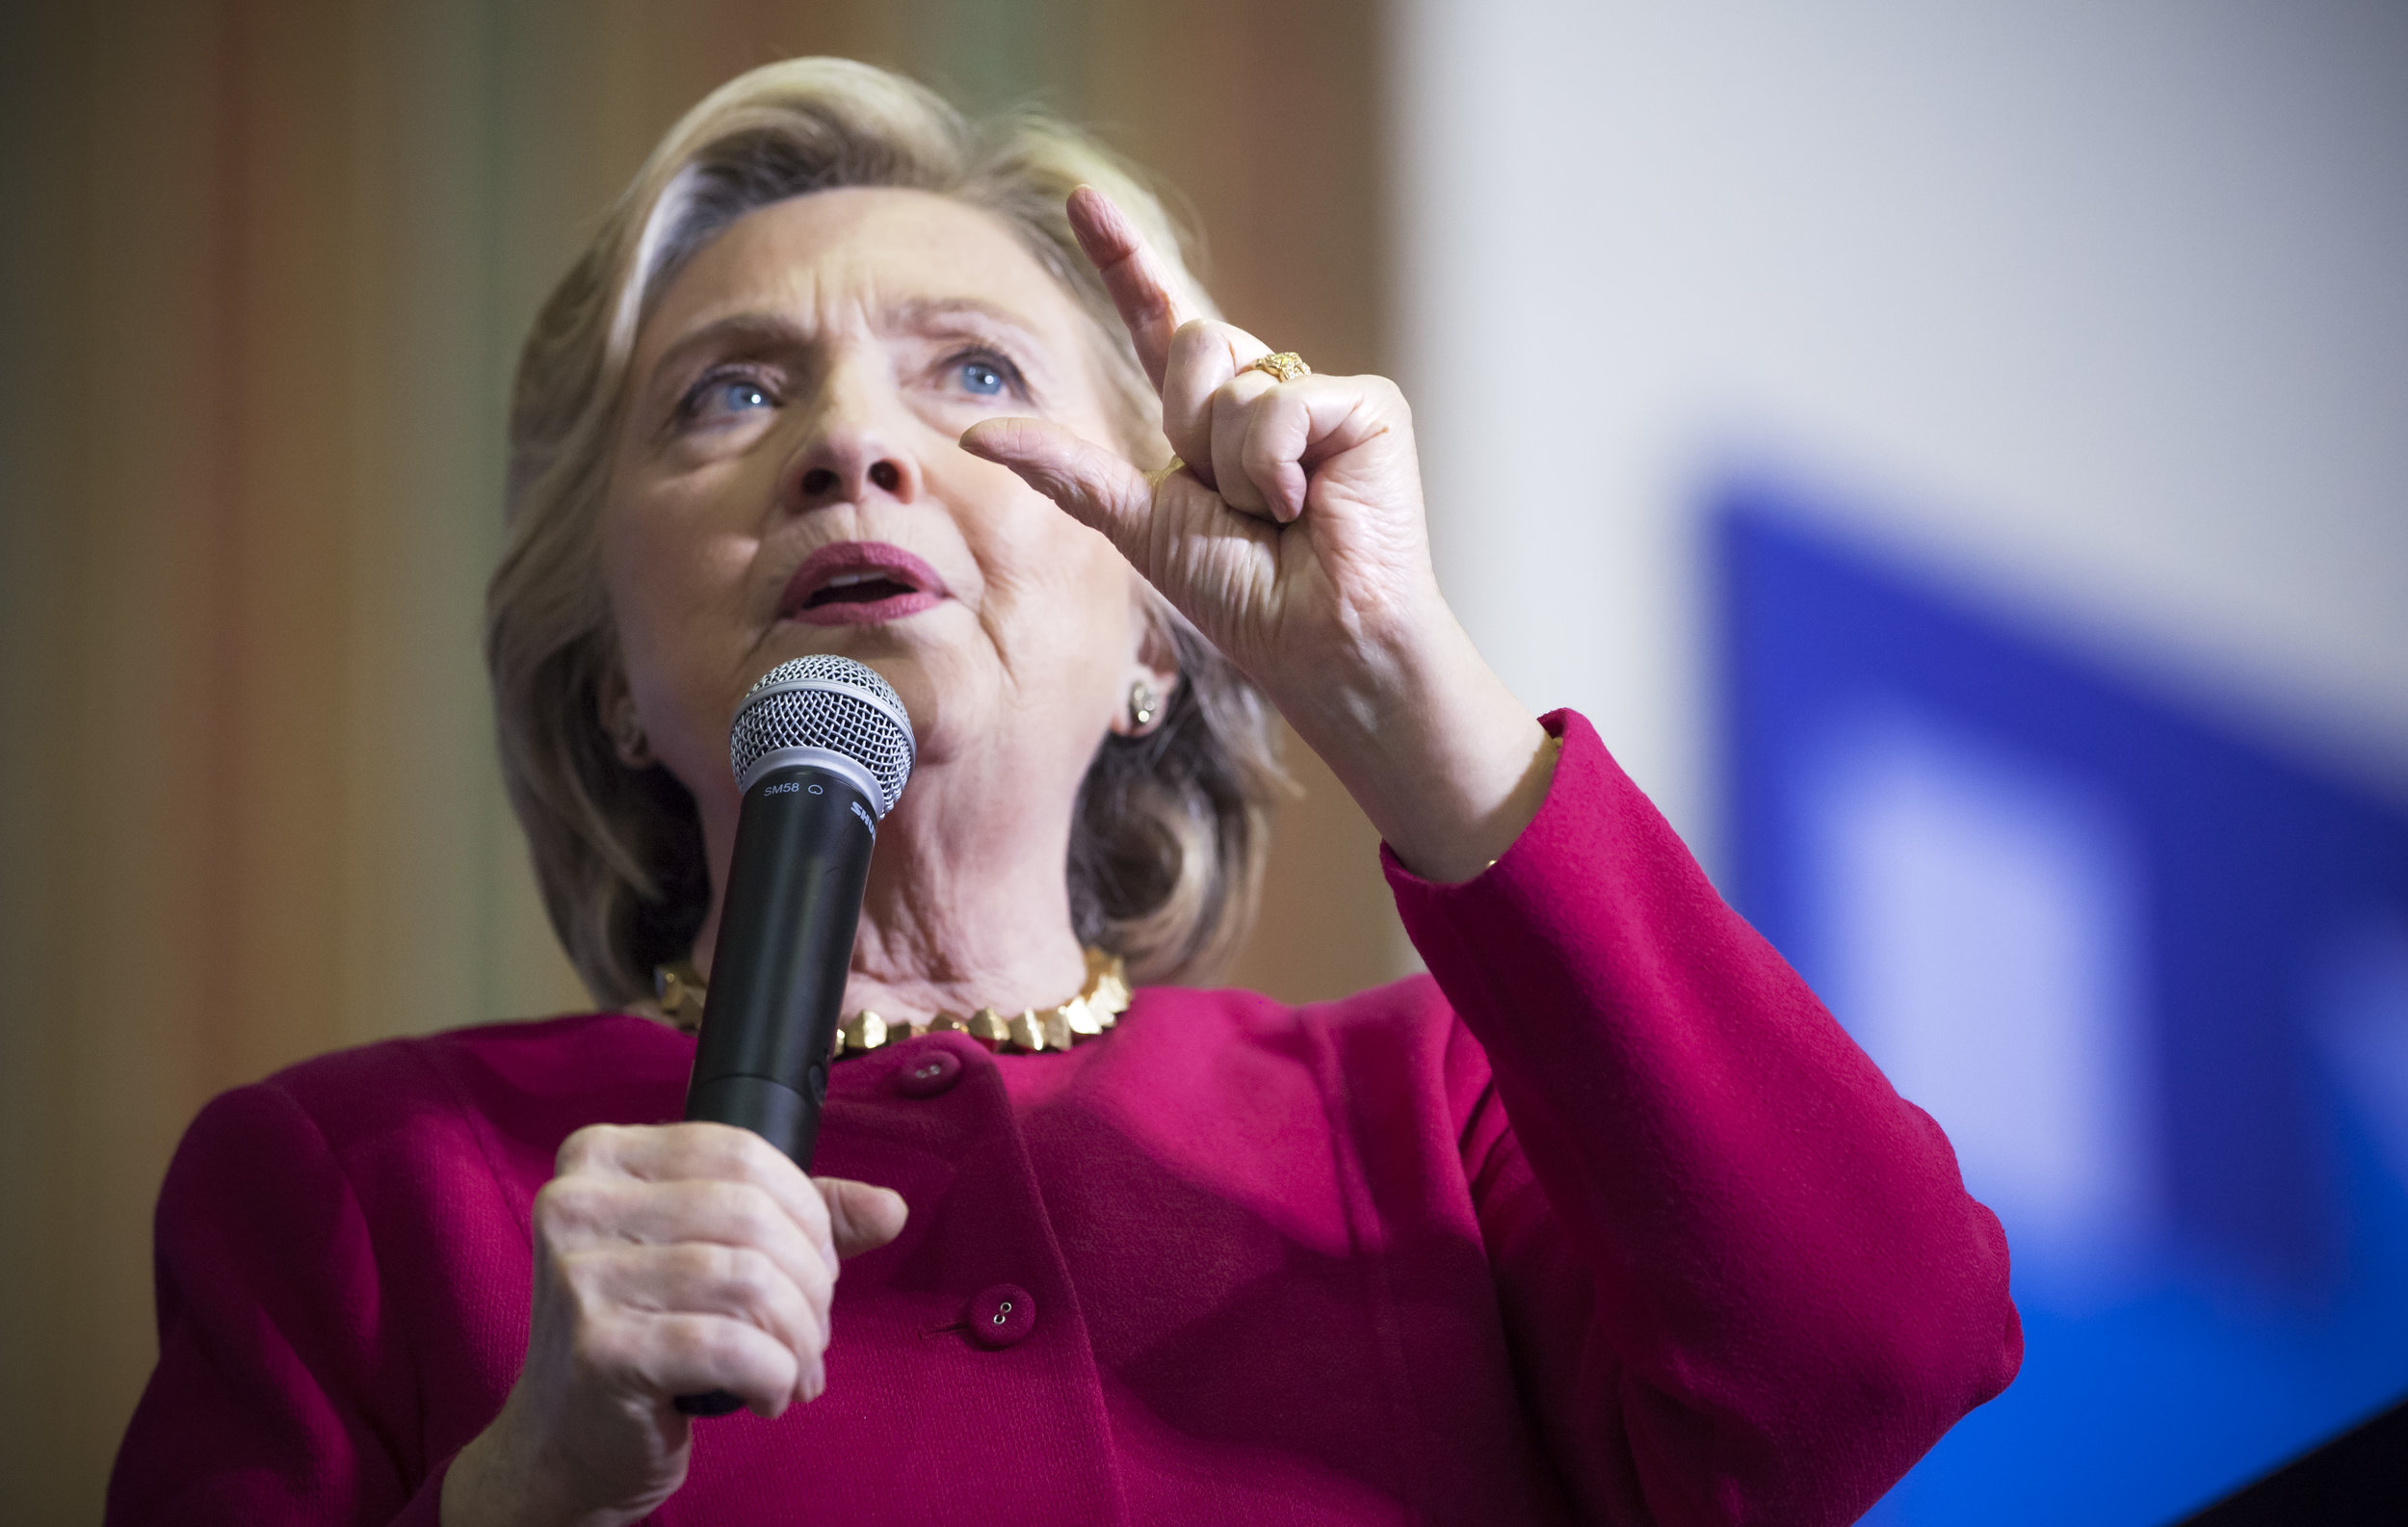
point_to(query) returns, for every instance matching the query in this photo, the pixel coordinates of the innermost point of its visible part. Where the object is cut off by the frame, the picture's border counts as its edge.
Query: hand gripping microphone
(821, 749)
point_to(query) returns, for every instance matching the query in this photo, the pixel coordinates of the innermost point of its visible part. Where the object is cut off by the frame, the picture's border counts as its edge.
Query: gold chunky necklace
(1097, 1008)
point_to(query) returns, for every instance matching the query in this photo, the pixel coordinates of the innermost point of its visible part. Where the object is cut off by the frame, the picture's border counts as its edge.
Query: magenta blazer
(1604, 1220)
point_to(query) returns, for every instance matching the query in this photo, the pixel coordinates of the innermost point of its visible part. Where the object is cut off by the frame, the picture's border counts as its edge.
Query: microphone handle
(803, 837)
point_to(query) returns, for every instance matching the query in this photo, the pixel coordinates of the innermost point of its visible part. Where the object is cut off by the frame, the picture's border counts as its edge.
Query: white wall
(2100, 305)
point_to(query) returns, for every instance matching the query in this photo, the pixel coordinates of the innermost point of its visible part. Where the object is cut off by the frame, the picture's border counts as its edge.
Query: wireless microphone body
(794, 898)
(822, 749)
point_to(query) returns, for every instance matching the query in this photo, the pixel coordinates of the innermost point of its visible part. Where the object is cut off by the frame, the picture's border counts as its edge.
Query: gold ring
(1285, 366)
(1156, 478)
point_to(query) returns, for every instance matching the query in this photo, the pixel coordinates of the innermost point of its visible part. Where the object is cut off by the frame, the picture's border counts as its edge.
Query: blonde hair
(1171, 828)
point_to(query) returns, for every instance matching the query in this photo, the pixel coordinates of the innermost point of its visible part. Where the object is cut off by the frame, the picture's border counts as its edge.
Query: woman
(1605, 1220)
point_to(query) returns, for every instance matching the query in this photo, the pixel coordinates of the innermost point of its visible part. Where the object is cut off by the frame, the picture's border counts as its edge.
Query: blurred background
(1958, 457)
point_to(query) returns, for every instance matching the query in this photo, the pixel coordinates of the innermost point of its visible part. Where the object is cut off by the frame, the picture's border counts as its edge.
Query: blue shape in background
(2274, 1310)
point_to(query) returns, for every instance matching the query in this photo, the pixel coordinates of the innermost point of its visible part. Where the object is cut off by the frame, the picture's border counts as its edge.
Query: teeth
(846, 580)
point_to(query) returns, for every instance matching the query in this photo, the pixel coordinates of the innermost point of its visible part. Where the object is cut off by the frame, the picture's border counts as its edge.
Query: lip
(851, 562)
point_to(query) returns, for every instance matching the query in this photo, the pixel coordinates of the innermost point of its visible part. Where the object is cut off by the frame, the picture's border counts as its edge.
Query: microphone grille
(830, 702)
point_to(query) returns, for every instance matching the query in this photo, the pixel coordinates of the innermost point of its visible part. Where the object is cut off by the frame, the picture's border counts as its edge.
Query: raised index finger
(1148, 302)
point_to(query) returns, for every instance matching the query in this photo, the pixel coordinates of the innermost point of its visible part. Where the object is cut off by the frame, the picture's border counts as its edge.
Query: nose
(849, 460)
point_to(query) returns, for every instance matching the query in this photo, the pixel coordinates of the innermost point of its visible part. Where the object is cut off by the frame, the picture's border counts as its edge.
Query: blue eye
(737, 396)
(720, 397)
(982, 379)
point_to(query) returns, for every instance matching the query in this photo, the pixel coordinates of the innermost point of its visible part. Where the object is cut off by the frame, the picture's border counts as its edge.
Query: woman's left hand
(1296, 541)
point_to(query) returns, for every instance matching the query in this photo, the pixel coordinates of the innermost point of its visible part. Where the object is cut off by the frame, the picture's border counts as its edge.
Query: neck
(968, 904)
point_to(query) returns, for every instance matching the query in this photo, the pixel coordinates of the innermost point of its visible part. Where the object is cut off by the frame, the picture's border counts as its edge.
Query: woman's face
(787, 481)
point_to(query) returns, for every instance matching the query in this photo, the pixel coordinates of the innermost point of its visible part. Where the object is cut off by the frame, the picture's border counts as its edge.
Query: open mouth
(866, 588)
(859, 582)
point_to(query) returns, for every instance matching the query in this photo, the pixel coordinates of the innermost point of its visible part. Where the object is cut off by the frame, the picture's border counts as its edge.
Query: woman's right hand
(668, 1259)
(1297, 541)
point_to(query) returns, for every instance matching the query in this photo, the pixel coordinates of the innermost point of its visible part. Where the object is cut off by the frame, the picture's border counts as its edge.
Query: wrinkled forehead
(834, 260)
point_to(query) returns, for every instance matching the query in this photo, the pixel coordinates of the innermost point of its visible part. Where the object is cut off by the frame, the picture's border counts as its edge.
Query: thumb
(1092, 485)
(860, 1217)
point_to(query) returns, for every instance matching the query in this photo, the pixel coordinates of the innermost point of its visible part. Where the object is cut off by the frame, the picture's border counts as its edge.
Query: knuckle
(562, 1206)
(697, 1264)
(758, 1159)
(1240, 346)
(810, 1339)
(553, 1198)
(752, 1215)
(700, 1137)
(748, 1275)
(730, 1276)
(714, 1344)
(693, 1341)
(582, 1149)
(819, 1286)
(709, 1151)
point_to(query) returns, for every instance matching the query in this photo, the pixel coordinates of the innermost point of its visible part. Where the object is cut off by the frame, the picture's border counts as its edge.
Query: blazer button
(929, 1073)
(1002, 1316)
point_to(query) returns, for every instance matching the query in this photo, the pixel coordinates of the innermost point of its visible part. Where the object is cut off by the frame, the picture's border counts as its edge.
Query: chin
(947, 686)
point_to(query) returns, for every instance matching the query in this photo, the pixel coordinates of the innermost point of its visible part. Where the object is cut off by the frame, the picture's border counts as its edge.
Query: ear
(614, 708)
(1152, 676)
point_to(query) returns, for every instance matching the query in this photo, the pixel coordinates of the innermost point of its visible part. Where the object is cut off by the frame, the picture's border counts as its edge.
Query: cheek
(670, 575)
(643, 563)
(669, 533)
(1055, 582)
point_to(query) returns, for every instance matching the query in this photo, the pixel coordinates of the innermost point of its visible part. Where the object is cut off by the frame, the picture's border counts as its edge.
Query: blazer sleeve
(1740, 1275)
(282, 1395)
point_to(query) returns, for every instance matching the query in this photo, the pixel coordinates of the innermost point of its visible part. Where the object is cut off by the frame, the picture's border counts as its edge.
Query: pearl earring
(1142, 702)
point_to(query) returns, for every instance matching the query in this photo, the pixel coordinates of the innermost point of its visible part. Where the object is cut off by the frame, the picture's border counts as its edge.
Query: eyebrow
(920, 313)
(928, 312)
(758, 329)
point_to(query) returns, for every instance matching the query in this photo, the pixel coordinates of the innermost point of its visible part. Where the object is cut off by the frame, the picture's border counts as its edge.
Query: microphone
(821, 749)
